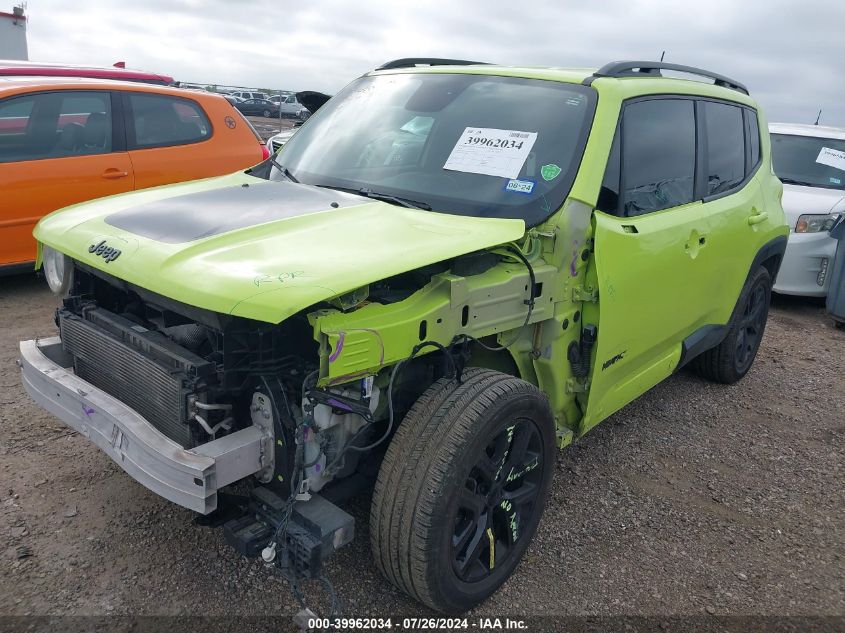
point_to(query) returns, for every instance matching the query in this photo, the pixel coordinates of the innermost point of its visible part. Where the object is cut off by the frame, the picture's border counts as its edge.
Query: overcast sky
(790, 53)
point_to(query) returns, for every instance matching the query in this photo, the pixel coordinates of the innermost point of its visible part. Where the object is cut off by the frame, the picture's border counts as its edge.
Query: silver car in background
(810, 161)
(291, 107)
(308, 99)
(275, 142)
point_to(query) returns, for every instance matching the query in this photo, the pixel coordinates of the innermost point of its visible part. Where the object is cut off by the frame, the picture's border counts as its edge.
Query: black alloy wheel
(498, 500)
(751, 326)
(732, 358)
(462, 488)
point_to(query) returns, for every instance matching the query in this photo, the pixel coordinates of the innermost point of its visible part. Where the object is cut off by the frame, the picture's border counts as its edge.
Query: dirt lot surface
(697, 499)
(268, 127)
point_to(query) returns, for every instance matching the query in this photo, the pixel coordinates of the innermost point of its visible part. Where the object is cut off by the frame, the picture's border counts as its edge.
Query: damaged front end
(189, 401)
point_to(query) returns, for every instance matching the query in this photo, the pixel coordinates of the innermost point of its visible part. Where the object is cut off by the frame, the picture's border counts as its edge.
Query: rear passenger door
(56, 149)
(730, 195)
(168, 138)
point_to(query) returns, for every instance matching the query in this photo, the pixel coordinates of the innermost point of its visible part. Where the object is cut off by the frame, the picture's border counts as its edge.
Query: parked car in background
(41, 69)
(810, 161)
(248, 94)
(313, 101)
(291, 107)
(258, 107)
(232, 99)
(277, 141)
(66, 140)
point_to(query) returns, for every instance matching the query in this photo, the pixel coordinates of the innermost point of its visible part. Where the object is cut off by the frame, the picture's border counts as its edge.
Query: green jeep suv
(450, 271)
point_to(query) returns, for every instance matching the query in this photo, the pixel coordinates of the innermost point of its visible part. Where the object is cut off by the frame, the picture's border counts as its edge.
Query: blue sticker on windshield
(520, 186)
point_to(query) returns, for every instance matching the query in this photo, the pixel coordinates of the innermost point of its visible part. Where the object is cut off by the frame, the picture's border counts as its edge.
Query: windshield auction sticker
(491, 152)
(830, 157)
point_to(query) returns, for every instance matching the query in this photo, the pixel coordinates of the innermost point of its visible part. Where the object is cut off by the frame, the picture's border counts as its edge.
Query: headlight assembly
(57, 269)
(814, 223)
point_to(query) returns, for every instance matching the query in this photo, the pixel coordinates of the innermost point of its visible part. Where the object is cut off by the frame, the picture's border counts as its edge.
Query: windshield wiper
(790, 181)
(285, 171)
(384, 197)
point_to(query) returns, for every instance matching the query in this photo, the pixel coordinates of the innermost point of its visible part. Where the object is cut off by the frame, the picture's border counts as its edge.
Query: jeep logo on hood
(105, 251)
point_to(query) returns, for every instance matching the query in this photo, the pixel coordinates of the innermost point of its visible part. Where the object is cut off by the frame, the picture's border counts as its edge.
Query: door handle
(114, 174)
(757, 218)
(695, 243)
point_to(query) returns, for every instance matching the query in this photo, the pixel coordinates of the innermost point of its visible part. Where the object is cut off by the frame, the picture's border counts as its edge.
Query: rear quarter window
(752, 133)
(162, 120)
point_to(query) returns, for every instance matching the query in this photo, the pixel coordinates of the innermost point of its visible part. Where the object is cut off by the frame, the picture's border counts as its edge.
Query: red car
(41, 69)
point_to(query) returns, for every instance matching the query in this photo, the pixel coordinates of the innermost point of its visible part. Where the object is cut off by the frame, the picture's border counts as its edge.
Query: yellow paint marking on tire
(492, 548)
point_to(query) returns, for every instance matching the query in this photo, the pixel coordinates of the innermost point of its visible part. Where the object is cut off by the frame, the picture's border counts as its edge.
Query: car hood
(312, 100)
(262, 250)
(799, 200)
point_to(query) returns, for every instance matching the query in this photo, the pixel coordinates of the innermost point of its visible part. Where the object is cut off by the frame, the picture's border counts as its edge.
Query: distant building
(13, 35)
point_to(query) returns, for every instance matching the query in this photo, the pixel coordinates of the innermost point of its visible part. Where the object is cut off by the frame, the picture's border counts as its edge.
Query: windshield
(478, 145)
(810, 161)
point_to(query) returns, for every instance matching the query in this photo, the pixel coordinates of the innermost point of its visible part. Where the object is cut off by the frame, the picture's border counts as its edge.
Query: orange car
(65, 140)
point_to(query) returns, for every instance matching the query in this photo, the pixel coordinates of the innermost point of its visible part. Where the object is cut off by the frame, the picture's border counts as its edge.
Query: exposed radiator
(139, 367)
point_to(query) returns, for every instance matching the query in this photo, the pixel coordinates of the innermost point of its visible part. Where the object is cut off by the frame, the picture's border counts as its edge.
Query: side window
(15, 117)
(658, 155)
(752, 133)
(291, 99)
(725, 159)
(159, 121)
(609, 193)
(55, 125)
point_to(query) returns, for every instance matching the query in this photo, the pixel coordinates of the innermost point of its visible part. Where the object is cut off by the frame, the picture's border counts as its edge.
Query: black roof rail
(652, 69)
(409, 62)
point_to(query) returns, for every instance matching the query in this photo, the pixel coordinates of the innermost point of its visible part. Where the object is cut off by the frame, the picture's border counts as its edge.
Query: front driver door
(650, 237)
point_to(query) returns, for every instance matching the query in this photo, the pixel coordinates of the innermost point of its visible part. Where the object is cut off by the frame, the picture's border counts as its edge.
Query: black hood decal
(194, 216)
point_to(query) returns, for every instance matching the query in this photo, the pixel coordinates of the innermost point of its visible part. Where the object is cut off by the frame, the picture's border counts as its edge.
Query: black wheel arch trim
(704, 338)
(709, 336)
(772, 250)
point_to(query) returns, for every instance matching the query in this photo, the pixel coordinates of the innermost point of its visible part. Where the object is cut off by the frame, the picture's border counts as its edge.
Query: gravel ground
(697, 499)
(268, 127)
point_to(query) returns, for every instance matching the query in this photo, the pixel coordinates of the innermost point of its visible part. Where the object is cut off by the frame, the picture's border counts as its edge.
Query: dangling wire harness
(279, 535)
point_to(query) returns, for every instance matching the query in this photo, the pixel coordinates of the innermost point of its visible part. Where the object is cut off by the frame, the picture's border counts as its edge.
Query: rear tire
(267, 113)
(462, 488)
(732, 358)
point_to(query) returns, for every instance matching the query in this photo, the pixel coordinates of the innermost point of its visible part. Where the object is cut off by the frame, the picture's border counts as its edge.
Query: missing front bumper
(190, 478)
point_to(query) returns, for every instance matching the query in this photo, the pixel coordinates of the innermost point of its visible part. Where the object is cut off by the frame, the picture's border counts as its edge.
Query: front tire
(462, 488)
(267, 113)
(732, 358)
